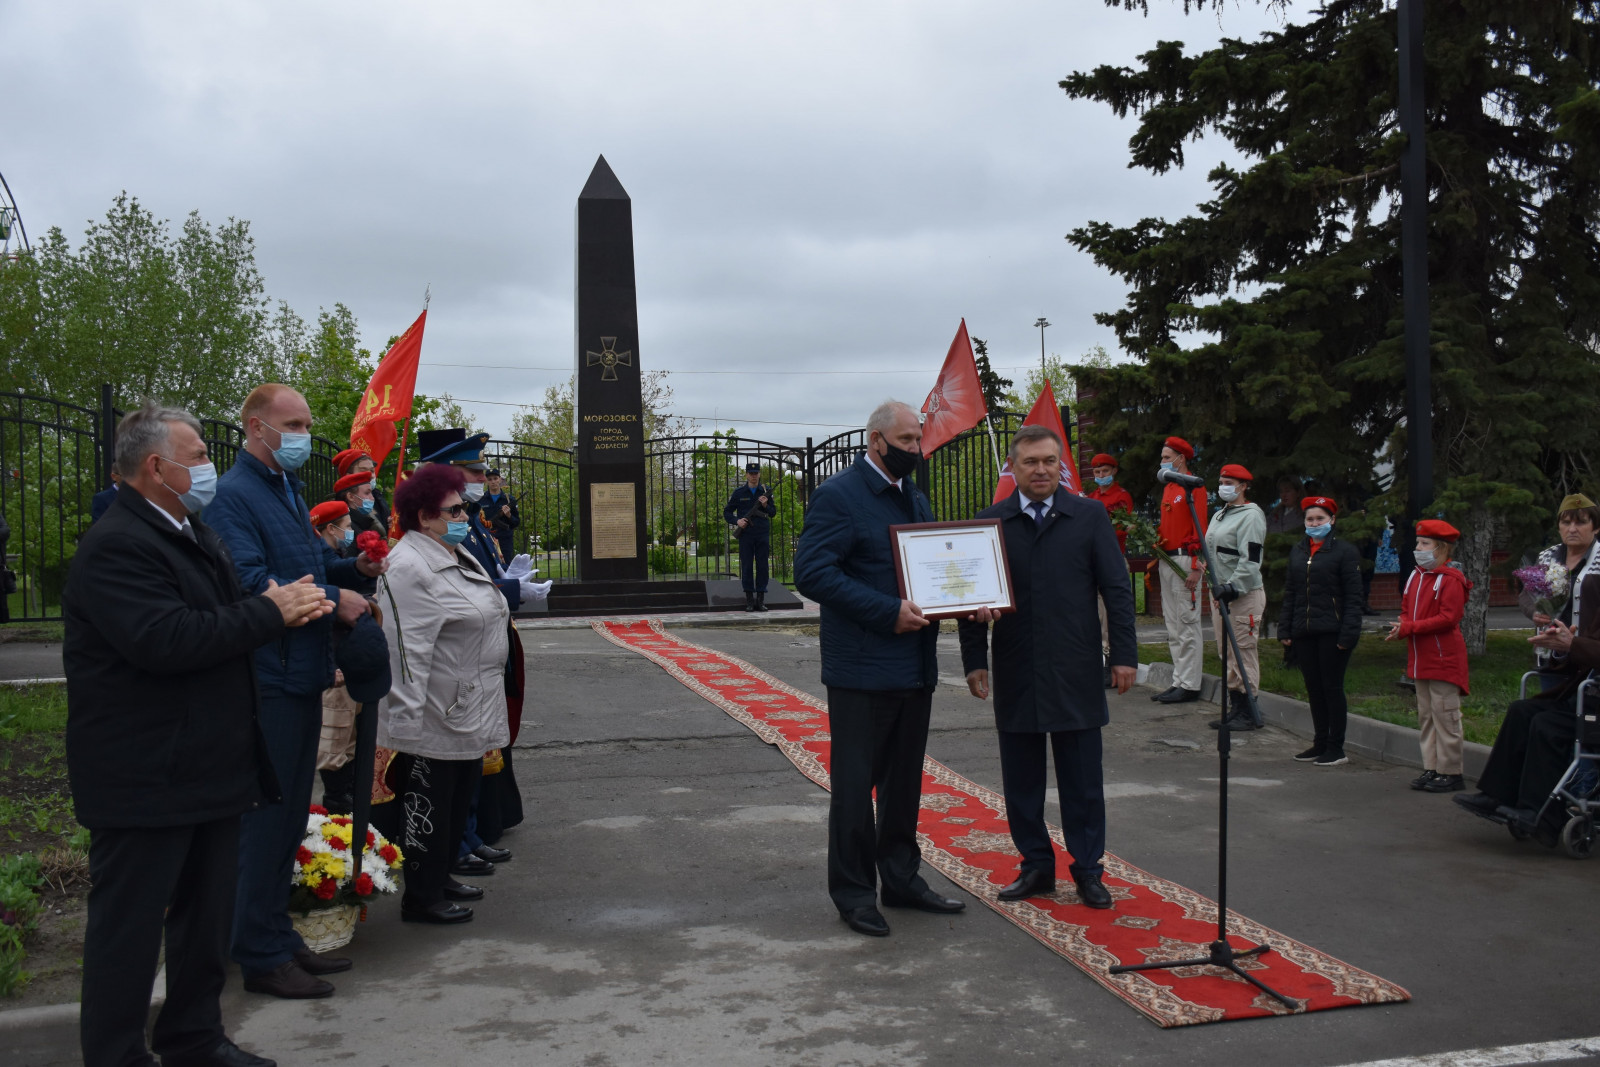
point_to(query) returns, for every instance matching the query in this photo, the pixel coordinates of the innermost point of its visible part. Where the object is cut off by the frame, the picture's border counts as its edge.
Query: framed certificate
(951, 569)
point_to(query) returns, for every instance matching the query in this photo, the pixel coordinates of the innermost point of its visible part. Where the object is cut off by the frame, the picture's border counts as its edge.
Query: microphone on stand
(1188, 481)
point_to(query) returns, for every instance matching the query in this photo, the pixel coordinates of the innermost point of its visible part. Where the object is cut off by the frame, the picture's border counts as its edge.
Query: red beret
(343, 460)
(1180, 446)
(350, 481)
(323, 514)
(1102, 460)
(1234, 470)
(1438, 529)
(1323, 502)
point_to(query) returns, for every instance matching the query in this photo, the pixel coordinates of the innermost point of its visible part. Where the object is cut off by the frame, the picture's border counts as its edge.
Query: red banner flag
(1046, 414)
(956, 403)
(389, 395)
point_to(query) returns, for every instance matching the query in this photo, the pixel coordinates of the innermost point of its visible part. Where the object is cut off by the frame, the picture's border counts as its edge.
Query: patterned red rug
(964, 836)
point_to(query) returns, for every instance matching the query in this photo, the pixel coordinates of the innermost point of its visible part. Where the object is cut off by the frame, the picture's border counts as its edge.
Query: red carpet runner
(964, 836)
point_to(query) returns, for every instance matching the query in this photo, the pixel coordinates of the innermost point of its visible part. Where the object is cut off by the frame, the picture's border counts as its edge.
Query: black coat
(1322, 593)
(1047, 668)
(161, 688)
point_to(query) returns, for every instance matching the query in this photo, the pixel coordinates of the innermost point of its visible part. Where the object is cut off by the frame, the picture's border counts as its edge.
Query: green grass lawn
(35, 804)
(1377, 666)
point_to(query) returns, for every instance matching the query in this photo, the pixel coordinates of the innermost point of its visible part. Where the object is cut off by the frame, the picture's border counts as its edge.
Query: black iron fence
(55, 456)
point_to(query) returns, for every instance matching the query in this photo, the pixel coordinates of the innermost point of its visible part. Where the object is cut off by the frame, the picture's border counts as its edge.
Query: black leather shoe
(458, 891)
(289, 981)
(1480, 804)
(761, 602)
(442, 913)
(473, 866)
(1029, 884)
(867, 920)
(928, 901)
(1444, 783)
(226, 1054)
(492, 854)
(1236, 723)
(311, 963)
(749, 602)
(1171, 689)
(1421, 780)
(1176, 695)
(1092, 892)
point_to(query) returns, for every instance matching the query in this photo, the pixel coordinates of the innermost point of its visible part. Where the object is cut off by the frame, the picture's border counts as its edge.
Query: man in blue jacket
(879, 662)
(261, 517)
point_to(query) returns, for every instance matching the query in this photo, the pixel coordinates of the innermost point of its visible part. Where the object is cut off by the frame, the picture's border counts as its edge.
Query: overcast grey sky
(818, 187)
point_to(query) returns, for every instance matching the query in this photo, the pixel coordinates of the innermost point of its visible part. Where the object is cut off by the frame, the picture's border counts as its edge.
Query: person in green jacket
(1234, 540)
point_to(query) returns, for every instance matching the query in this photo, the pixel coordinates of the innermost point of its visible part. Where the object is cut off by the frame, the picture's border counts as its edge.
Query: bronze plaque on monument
(613, 531)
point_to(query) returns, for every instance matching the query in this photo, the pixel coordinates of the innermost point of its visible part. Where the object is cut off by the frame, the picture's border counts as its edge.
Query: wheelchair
(1577, 792)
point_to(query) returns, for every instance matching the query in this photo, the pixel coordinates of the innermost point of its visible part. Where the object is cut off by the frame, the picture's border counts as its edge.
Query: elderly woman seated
(1534, 747)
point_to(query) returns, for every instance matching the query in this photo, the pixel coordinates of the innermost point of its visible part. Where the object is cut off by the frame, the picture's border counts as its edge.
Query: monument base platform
(570, 598)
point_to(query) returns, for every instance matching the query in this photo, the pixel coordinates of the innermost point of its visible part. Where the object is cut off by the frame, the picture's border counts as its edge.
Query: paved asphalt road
(666, 905)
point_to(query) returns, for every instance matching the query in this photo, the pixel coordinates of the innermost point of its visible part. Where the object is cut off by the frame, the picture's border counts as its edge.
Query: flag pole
(993, 444)
(400, 462)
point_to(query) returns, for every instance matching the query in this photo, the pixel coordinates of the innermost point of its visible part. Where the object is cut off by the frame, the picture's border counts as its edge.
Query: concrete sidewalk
(667, 905)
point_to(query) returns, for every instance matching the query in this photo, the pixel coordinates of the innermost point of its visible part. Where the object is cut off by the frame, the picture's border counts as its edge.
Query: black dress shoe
(867, 920)
(1178, 695)
(1164, 694)
(928, 901)
(1423, 779)
(1480, 804)
(1238, 722)
(1445, 783)
(1092, 892)
(441, 913)
(311, 963)
(226, 1054)
(289, 981)
(472, 865)
(492, 854)
(457, 891)
(1029, 884)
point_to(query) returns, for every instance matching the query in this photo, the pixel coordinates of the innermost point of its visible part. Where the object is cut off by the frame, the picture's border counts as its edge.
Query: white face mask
(1228, 492)
(473, 492)
(1425, 559)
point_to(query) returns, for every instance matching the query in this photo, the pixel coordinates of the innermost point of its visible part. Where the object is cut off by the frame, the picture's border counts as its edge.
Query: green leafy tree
(1267, 326)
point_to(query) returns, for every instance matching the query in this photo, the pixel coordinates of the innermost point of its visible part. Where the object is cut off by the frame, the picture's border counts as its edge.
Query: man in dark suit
(1063, 557)
(880, 664)
(101, 502)
(164, 744)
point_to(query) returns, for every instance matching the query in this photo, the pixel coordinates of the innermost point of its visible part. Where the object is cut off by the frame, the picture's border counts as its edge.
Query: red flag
(389, 395)
(1046, 414)
(956, 403)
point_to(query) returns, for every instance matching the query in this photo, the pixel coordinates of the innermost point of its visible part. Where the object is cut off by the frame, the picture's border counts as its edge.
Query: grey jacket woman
(449, 701)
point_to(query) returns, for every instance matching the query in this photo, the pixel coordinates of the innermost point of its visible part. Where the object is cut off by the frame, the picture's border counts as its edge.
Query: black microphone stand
(1222, 953)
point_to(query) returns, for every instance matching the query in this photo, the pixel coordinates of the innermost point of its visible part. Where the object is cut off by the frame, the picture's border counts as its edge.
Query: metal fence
(55, 456)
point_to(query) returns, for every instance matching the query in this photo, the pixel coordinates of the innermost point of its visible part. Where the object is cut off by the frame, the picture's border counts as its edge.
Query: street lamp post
(1414, 271)
(1041, 324)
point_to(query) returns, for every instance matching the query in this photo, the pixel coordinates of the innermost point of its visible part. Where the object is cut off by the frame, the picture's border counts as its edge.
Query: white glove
(535, 592)
(520, 568)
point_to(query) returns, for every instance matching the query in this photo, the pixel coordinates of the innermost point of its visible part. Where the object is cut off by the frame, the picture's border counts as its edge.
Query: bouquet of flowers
(323, 865)
(1142, 538)
(1544, 588)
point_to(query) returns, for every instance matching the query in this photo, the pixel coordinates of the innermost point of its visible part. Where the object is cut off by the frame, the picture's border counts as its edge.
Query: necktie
(1039, 508)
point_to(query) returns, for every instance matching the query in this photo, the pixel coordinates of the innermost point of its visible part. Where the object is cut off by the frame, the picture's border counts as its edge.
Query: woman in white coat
(447, 644)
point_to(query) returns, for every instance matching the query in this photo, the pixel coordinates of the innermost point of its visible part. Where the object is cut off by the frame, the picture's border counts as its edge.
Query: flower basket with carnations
(325, 900)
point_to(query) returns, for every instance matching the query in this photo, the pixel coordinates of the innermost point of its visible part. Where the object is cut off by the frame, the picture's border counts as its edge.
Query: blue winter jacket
(271, 537)
(845, 562)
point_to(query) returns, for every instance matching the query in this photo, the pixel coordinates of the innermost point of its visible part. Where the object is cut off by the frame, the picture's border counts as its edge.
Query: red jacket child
(1430, 621)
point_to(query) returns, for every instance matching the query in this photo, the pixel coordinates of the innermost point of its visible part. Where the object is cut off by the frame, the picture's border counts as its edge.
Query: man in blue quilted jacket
(262, 518)
(880, 664)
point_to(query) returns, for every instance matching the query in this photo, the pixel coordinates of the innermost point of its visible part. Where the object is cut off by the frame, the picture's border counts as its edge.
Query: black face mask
(898, 462)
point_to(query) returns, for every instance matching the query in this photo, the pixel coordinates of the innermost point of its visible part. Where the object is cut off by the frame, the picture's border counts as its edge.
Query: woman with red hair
(448, 704)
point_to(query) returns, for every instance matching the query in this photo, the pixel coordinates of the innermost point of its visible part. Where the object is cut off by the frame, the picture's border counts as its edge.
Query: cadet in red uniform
(1114, 498)
(1436, 655)
(1180, 596)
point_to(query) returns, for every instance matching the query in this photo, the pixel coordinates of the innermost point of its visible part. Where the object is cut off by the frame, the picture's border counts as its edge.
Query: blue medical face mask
(349, 536)
(1107, 480)
(1166, 466)
(456, 534)
(366, 505)
(1317, 533)
(293, 449)
(202, 486)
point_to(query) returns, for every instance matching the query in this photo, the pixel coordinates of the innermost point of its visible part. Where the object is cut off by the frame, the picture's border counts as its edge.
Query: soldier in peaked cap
(1180, 594)
(750, 510)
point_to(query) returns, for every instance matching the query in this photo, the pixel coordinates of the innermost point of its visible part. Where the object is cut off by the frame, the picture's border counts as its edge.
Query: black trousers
(1532, 750)
(437, 797)
(1083, 799)
(879, 738)
(754, 549)
(1323, 664)
(188, 873)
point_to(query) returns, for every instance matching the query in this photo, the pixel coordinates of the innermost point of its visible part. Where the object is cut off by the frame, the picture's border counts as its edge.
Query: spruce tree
(1266, 327)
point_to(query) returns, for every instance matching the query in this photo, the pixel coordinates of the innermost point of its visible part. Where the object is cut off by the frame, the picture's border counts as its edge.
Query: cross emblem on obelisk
(608, 357)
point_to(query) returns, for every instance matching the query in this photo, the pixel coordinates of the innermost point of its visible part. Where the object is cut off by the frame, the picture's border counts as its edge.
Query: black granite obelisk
(610, 407)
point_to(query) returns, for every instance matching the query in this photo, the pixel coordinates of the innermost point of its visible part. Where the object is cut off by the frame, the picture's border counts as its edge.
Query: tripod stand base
(1221, 955)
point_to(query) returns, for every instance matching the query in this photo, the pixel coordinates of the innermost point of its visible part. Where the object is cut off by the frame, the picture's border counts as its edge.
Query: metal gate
(544, 483)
